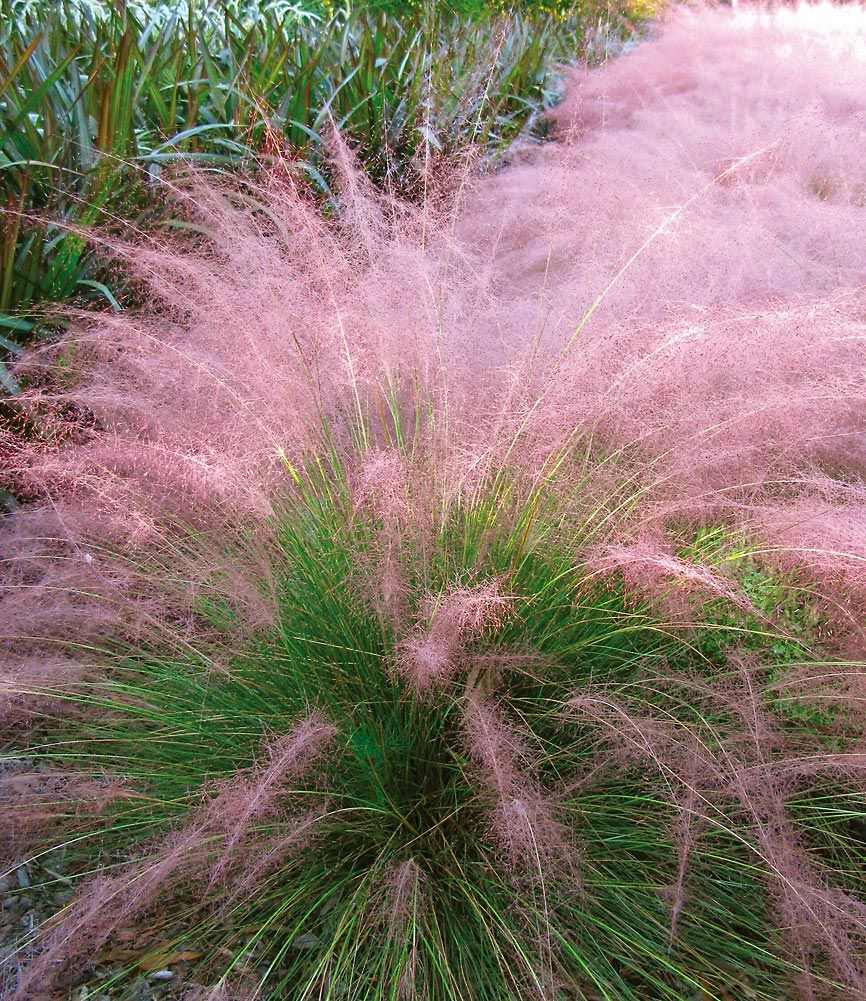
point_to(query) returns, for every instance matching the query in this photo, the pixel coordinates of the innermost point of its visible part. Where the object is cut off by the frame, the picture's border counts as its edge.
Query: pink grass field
(675, 287)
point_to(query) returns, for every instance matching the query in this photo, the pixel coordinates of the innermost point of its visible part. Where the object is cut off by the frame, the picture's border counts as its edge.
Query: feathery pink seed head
(429, 657)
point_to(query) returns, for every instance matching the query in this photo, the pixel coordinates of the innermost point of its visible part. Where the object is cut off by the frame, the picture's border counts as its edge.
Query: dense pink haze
(696, 241)
(676, 287)
(680, 277)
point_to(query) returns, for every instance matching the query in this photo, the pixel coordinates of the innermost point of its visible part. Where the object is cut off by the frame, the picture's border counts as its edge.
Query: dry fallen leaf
(160, 960)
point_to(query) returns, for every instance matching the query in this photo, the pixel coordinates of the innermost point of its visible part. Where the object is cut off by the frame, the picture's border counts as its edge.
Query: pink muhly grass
(30, 686)
(640, 737)
(812, 914)
(264, 855)
(685, 834)
(686, 767)
(245, 800)
(819, 536)
(531, 841)
(403, 905)
(814, 917)
(715, 379)
(46, 800)
(403, 892)
(184, 858)
(383, 486)
(523, 820)
(741, 368)
(726, 355)
(429, 657)
(749, 773)
(650, 569)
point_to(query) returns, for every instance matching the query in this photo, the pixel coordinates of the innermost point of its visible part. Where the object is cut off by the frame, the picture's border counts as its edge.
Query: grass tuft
(523, 827)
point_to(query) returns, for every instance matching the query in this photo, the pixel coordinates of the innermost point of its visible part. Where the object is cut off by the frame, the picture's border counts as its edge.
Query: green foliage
(96, 100)
(399, 784)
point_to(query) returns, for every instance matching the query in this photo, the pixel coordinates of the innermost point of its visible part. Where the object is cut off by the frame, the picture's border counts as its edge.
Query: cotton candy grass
(360, 644)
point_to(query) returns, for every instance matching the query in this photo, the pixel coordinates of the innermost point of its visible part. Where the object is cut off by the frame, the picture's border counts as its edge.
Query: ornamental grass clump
(318, 680)
(363, 641)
